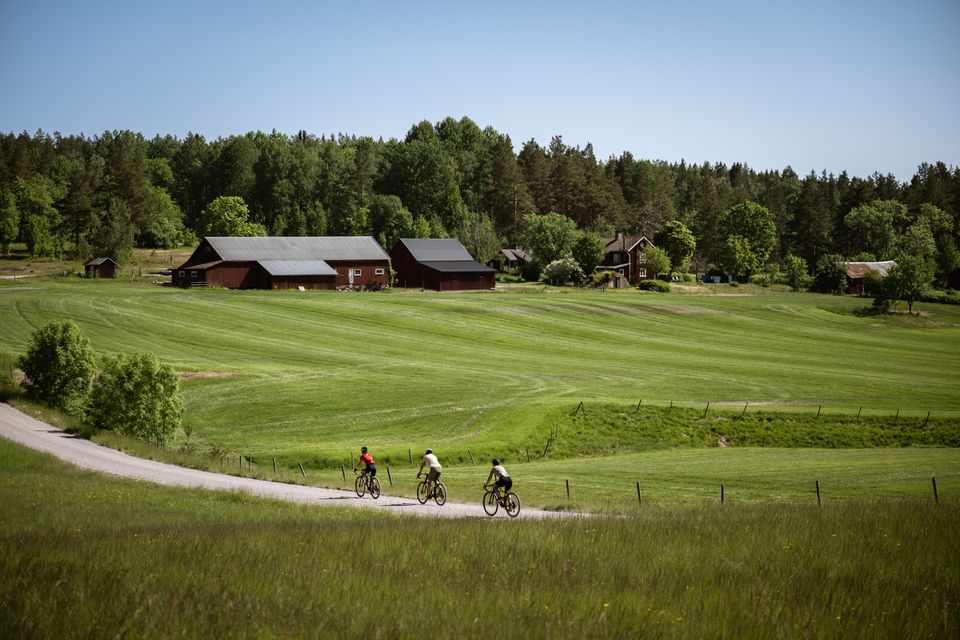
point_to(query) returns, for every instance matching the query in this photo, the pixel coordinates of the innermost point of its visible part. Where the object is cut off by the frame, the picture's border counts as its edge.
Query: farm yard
(800, 390)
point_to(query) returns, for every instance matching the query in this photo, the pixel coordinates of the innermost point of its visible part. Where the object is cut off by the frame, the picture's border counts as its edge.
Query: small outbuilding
(510, 259)
(856, 271)
(442, 264)
(100, 268)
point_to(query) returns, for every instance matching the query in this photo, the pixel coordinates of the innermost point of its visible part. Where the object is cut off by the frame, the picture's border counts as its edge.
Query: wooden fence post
(274, 466)
(819, 504)
(819, 407)
(936, 496)
(472, 461)
(410, 455)
(896, 418)
(639, 496)
(637, 410)
(927, 419)
(300, 464)
(722, 494)
(528, 453)
(858, 413)
(744, 409)
(705, 411)
(343, 473)
(389, 477)
(568, 490)
(671, 408)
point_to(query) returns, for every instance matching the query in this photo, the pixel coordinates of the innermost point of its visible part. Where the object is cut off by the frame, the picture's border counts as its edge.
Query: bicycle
(509, 501)
(438, 493)
(366, 483)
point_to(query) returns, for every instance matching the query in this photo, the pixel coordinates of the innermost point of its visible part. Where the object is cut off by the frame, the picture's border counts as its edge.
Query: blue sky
(861, 86)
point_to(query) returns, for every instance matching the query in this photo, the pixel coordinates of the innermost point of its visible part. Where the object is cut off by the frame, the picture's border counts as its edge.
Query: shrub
(563, 271)
(138, 396)
(761, 280)
(58, 366)
(654, 285)
(943, 297)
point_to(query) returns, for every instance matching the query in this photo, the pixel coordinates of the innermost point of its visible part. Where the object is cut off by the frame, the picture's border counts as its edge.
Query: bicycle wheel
(490, 503)
(513, 505)
(440, 495)
(422, 492)
(375, 488)
(360, 486)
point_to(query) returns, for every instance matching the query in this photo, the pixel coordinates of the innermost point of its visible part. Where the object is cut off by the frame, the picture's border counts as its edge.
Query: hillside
(309, 376)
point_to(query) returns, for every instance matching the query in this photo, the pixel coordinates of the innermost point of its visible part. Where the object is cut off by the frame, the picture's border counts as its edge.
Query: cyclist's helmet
(428, 451)
(496, 461)
(363, 449)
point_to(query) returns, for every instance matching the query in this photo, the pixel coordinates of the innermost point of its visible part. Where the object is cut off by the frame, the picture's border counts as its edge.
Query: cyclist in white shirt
(430, 461)
(503, 479)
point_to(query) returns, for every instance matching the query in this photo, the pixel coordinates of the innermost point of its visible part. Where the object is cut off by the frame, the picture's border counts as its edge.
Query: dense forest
(108, 193)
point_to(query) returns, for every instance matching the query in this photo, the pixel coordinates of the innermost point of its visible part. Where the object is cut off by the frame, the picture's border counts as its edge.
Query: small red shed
(100, 268)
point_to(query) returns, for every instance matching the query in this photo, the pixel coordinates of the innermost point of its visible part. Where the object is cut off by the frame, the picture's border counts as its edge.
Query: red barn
(439, 263)
(285, 263)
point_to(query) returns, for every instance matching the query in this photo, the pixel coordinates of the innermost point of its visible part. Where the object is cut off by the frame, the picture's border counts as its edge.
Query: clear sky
(819, 85)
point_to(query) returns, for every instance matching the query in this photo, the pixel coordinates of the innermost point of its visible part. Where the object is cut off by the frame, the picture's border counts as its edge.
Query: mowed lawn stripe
(317, 371)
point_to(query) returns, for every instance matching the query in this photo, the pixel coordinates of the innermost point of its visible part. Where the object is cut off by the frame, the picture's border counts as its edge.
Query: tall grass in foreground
(86, 556)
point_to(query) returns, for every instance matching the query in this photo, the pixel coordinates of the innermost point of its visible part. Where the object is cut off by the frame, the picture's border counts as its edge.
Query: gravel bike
(508, 500)
(438, 493)
(365, 483)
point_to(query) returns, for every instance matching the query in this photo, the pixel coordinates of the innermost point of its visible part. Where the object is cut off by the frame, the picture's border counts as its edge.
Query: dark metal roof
(436, 249)
(199, 267)
(520, 255)
(297, 268)
(93, 262)
(621, 242)
(298, 248)
(457, 266)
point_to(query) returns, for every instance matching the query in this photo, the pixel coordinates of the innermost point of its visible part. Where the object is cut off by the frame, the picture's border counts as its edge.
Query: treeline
(108, 193)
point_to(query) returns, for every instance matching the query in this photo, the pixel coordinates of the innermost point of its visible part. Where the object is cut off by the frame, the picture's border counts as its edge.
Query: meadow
(309, 377)
(800, 388)
(84, 555)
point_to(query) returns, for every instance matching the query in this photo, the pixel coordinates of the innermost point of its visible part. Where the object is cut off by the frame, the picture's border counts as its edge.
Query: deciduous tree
(754, 225)
(678, 242)
(588, 250)
(137, 395)
(228, 216)
(58, 365)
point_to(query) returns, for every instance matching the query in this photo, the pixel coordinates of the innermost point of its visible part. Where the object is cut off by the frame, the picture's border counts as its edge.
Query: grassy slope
(321, 372)
(82, 555)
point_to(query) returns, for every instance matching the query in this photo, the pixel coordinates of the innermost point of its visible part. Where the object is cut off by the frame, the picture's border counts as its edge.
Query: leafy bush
(761, 280)
(58, 366)
(137, 395)
(943, 297)
(654, 285)
(563, 271)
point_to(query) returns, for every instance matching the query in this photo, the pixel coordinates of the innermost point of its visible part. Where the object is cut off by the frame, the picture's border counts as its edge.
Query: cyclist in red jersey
(370, 465)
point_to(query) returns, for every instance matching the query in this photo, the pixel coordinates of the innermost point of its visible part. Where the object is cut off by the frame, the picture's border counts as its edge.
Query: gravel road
(26, 430)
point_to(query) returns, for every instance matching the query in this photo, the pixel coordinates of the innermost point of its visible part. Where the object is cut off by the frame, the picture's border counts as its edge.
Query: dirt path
(19, 427)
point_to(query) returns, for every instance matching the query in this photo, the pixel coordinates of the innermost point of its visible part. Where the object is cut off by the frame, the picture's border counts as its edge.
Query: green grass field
(801, 390)
(84, 555)
(311, 376)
